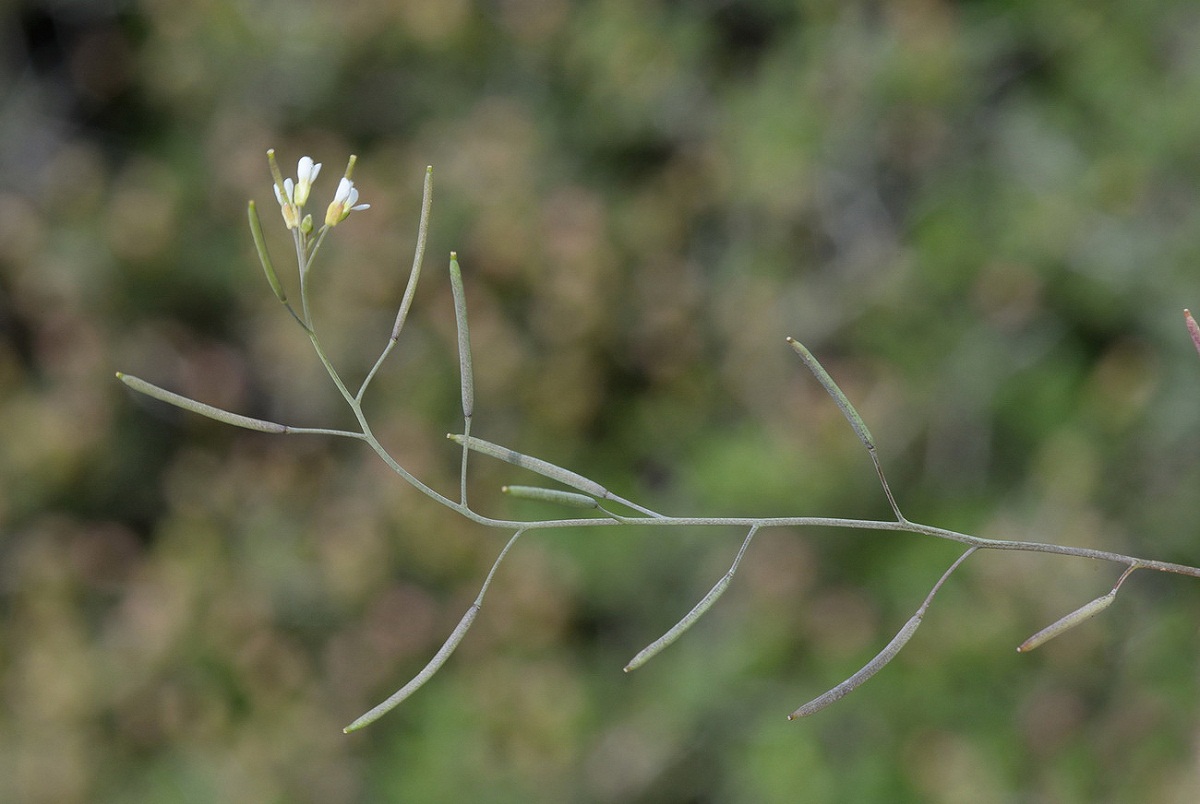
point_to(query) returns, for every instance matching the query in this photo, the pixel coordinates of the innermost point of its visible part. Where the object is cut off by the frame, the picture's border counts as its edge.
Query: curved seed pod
(418, 255)
(1084, 612)
(831, 387)
(260, 244)
(884, 656)
(568, 498)
(654, 648)
(435, 664)
(439, 658)
(851, 413)
(464, 337)
(163, 395)
(869, 669)
(543, 468)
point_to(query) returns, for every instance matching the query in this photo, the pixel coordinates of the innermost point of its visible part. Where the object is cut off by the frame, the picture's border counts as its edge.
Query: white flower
(294, 194)
(345, 201)
(287, 204)
(306, 174)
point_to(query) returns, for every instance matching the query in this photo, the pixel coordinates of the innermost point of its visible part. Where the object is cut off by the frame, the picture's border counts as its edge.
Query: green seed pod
(543, 468)
(567, 498)
(464, 337)
(265, 258)
(869, 669)
(171, 398)
(831, 387)
(1084, 612)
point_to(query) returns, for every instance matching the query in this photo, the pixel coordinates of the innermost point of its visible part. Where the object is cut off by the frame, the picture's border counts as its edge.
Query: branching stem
(586, 491)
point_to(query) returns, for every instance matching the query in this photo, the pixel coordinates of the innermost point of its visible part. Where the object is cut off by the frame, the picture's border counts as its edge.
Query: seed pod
(869, 669)
(567, 498)
(1084, 612)
(839, 398)
(654, 648)
(171, 398)
(420, 678)
(543, 468)
(260, 244)
(464, 337)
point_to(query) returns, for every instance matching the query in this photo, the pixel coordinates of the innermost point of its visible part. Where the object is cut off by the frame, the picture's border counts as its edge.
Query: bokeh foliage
(984, 217)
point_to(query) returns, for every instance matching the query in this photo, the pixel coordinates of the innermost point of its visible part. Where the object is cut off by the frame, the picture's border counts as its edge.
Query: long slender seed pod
(1064, 624)
(439, 658)
(224, 416)
(465, 371)
(418, 255)
(831, 387)
(1084, 612)
(884, 656)
(410, 290)
(869, 669)
(260, 245)
(435, 664)
(237, 420)
(851, 413)
(464, 337)
(567, 498)
(537, 465)
(654, 648)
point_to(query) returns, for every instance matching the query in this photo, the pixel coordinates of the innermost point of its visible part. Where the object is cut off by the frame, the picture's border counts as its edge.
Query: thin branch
(588, 494)
(632, 505)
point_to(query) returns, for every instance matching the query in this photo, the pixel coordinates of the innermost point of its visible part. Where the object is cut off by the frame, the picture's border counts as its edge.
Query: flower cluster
(293, 195)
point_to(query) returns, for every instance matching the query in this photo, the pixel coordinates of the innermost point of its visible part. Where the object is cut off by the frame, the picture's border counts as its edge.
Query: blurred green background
(984, 218)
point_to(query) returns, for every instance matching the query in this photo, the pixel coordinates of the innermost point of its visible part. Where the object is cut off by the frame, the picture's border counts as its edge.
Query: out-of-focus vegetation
(984, 217)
